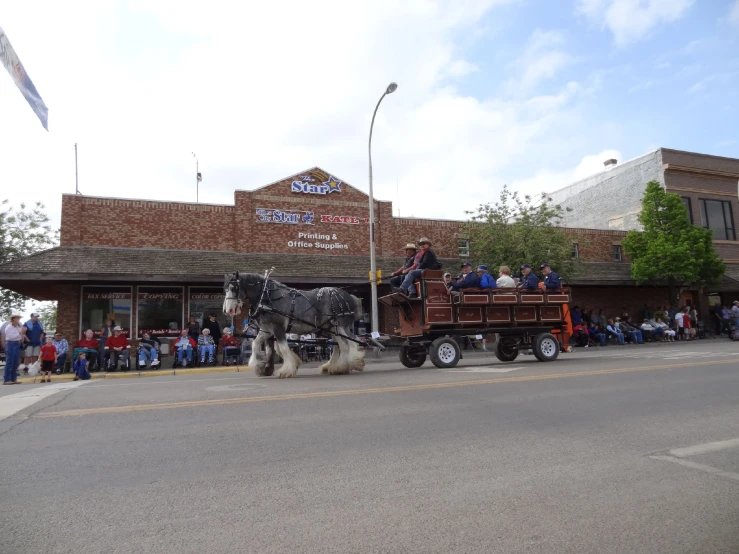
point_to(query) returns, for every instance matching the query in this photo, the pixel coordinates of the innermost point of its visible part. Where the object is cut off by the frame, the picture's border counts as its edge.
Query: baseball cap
(543, 266)
(34, 314)
(482, 268)
(466, 264)
(525, 266)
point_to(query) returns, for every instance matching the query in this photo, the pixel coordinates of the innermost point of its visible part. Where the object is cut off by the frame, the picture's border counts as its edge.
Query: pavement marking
(11, 404)
(699, 467)
(499, 369)
(148, 373)
(705, 448)
(238, 387)
(168, 382)
(351, 392)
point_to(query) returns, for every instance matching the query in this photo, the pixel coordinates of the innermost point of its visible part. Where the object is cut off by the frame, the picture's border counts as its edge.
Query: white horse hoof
(286, 373)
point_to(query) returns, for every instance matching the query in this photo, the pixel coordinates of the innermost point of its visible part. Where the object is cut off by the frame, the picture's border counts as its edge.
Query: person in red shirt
(229, 345)
(117, 347)
(90, 346)
(48, 359)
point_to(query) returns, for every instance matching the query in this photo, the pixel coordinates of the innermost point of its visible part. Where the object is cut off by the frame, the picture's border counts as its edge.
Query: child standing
(80, 368)
(48, 359)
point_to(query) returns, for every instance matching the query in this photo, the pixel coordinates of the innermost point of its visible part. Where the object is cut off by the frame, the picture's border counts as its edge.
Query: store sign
(160, 296)
(290, 217)
(315, 241)
(107, 296)
(308, 185)
(216, 296)
(161, 332)
(352, 220)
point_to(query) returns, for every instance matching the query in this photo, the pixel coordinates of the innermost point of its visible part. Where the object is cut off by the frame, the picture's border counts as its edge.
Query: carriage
(524, 320)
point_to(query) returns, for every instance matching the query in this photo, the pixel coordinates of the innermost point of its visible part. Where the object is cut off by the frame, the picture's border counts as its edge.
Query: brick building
(153, 265)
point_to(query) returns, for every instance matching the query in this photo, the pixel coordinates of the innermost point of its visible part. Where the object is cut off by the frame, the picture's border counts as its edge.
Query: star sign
(308, 218)
(333, 184)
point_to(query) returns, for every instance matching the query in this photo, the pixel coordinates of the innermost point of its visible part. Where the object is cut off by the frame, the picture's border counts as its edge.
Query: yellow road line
(351, 392)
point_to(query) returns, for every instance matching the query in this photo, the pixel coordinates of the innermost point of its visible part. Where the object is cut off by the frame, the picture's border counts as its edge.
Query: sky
(530, 93)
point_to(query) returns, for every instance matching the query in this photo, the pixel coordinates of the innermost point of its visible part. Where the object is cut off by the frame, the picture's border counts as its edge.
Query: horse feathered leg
(291, 362)
(256, 363)
(332, 361)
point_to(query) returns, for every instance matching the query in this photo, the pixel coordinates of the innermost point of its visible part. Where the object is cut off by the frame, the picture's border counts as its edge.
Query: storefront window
(101, 303)
(160, 311)
(207, 300)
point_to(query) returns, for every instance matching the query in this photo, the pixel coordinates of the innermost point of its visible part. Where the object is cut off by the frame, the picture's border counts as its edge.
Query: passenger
(410, 253)
(469, 279)
(529, 281)
(486, 280)
(447, 279)
(424, 259)
(504, 278)
(551, 279)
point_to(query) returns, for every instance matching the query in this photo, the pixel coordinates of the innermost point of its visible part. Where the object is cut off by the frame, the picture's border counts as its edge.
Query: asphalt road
(629, 449)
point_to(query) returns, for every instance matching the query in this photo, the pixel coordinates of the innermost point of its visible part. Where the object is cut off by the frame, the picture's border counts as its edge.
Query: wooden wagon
(522, 320)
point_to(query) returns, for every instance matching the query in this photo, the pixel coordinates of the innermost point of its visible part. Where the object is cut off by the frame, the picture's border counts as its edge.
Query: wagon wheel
(412, 357)
(445, 352)
(506, 350)
(546, 347)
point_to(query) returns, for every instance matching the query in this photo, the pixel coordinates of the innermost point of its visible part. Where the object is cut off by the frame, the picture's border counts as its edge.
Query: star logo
(308, 218)
(333, 184)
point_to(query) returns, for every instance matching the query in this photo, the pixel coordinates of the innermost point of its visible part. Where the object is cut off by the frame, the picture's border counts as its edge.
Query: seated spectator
(399, 274)
(613, 331)
(651, 332)
(81, 368)
(486, 280)
(602, 320)
(149, 348)
(668, 333)
(581, 335)
(230, 345)
(634, 334)
(62, 347)
(505, 281)
(206, 345)
(89, 345)
(469, 279)
(529, 281)
(117, 348)
(184, 347)
(596, 333)
(551, 279)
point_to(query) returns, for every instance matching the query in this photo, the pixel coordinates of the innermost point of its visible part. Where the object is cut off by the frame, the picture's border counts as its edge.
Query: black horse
(278, 310)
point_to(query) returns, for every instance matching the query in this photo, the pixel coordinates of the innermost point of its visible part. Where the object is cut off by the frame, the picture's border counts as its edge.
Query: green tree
(671, 250)
(22, 232)
(518, 230)
(47, 315)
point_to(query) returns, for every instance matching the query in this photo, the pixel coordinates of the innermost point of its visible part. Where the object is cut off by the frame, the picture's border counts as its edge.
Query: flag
(200, 177)
(11, 62)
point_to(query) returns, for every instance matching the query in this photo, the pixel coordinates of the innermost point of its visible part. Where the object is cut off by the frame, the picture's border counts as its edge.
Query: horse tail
(358, 311)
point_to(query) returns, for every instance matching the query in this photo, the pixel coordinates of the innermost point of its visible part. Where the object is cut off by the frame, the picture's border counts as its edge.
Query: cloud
(641, 86)
(734, 14)
(548, 181)
(260, 105)
(542, 59)
(631, 20)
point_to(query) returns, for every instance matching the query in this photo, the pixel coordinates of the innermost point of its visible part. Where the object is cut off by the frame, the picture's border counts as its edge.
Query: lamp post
(373, 263)
(197, 178)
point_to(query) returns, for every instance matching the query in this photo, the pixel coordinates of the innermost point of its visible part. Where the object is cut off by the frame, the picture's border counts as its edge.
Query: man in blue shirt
(529, 281)
(35, 336)
(469, 278)
(551, 279)
(62, 346)
(486, 280)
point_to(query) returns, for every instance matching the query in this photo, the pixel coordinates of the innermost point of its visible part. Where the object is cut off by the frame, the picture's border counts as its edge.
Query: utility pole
(76, 174)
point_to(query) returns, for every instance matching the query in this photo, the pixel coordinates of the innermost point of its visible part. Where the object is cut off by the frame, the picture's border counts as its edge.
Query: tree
(47, 315)
(22, 233)
(515, 231)
(671, 250)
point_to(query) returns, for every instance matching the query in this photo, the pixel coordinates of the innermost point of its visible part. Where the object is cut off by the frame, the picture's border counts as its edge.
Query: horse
(278, 310)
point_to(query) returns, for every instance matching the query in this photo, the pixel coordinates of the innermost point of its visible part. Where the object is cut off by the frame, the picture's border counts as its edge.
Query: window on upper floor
(716, 215)
(464, 248)
(688, 207)
(617, 255)
(575, 250)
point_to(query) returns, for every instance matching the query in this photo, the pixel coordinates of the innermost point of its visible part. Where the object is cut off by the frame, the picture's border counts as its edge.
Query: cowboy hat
(410, 246)
(424, 240)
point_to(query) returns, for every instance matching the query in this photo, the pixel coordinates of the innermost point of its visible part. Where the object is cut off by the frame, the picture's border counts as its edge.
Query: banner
(11, 62)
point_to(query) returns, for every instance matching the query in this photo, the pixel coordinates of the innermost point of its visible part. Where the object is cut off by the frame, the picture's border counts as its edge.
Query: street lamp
(373, 263)
(198, 178)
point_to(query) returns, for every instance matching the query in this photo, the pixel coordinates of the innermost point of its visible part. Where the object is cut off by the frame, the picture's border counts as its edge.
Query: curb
(135, 374)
